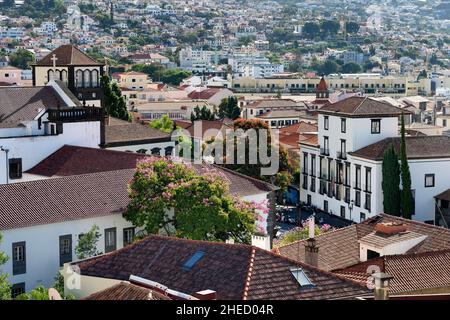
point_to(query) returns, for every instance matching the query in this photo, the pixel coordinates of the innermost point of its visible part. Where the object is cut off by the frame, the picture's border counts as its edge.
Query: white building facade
(342, 175)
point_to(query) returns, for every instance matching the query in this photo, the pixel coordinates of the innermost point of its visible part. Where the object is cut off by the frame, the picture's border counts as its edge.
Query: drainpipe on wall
(6, 163)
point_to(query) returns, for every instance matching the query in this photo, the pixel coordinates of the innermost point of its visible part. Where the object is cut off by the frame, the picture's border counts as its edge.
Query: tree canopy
(5, 286)
(115, 104)
(202, 114)
(229, 108)
(391, 182)
(171, 197)
(21, 59)
(164, 124)
(407, 201)
(87, 243)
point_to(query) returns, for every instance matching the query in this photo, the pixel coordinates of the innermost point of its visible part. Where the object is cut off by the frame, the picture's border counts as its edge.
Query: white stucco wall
(33, 149)
(42, 246)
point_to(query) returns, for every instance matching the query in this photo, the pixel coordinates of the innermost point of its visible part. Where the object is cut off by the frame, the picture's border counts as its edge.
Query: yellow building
(79, 72)
(369, 84)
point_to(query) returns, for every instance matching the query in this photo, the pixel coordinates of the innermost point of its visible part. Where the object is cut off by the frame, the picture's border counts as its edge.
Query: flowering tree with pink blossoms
(167, 196)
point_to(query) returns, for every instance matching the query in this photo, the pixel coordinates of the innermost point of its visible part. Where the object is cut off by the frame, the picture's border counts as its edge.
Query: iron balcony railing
(75, 114)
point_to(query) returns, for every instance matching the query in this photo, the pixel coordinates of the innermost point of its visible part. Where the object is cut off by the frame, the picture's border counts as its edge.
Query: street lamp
(350, 208)
(6, 162)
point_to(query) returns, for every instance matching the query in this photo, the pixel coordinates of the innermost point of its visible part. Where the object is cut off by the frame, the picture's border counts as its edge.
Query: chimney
(206, 295)
(311, 249)
(311, 253)
(262, 242)
(381, 280)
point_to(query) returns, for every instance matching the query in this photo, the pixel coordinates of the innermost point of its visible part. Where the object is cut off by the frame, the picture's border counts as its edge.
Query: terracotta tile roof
(73, 160)
(339, 249)
(91, 191)
(55, 200)
(271, 103)
(126, 291)
(332, 254)
(19, 104)
(125, 133)
(204, 95)
(361, 107)
(419, 147)
(444, 195)
(411, 272)
(300, 127)
(233, 271)
(284, 113)
(313, 141)
(211, 127)
(322, 86)
(68, 55)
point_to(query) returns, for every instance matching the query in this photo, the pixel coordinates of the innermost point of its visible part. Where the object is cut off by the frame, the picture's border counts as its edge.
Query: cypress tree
(114, 102)
(406, 194)
(391, 182)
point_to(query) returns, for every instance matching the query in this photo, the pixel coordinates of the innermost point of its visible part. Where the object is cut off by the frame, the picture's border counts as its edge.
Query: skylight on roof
(301, 277)
(193, 260)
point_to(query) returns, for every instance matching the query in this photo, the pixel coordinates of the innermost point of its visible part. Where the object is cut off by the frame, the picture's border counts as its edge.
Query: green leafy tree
(229, 108)
(202, 114)
(242, 160)
(38, 293)
(114, 102)
(351, 67)
(328, 67)
(391, 182)
(8, 3)
(311, 30)
(422, 75)
(174, 76)
(171, 197)
(351, 27)
(164, 124)
(283, 180)
(5, 286)
(406, 194)
(329, 27)
(21, 59)
(300, 233)
(87, 244)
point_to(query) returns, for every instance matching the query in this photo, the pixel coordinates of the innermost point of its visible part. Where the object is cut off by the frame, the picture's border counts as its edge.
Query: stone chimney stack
(381, 280)
(312, 252)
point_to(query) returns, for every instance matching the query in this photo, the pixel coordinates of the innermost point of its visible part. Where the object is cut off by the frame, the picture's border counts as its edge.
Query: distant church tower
(322, 92)
(79, 72)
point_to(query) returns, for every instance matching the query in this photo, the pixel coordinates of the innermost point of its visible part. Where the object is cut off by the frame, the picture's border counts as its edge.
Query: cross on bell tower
(54, 59)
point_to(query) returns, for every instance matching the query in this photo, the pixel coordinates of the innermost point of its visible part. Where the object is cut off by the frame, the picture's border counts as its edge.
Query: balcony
(313, 185)
(341, 155)
(368, 204)
(324, 151)
(331, 191)
(323, 187)
(347, 195)
(75, 114)
(305, 182)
